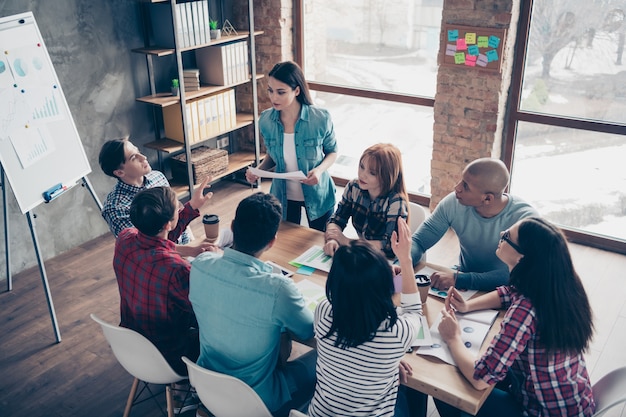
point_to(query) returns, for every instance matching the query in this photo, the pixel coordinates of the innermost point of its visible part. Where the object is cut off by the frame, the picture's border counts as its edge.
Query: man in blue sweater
(478, 210)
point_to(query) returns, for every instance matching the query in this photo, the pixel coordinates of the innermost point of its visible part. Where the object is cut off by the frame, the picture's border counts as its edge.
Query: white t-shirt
(294, 188)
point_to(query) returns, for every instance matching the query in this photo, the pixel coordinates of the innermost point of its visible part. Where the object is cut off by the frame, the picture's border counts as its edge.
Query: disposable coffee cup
(211, 227)
(423, 285)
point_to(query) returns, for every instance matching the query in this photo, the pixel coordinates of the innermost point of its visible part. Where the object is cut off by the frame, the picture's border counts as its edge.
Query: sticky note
(470, 38)
(305, 270)
(459, 58)
(453, 35)
(492, 55)
(469, 62)
(494, 41)
(482, 60)
(473, 50)
(483, 42)
(461, 45)
(450, 49)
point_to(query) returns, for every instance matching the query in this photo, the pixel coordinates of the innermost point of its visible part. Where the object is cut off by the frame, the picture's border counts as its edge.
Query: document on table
(315, 258)
(442, 293)
(294, 175)
(312, 293)
(423, 337)
(474, 328)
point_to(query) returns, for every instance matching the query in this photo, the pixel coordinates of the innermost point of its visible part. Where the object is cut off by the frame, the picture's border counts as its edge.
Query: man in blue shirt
(478, 210)
(244, 311)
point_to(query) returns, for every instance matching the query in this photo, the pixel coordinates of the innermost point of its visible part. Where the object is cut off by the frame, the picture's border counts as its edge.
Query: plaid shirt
(547, 384)
(116, 210)
(153, 282)
(372, 219)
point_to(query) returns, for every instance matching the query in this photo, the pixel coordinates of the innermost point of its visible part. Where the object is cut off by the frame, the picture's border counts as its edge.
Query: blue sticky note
(494, 41)
(492, 55)
(305, 270)
(453, 35)
(473, 50)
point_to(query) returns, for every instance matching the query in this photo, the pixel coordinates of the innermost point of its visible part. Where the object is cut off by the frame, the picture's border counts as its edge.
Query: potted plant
(175, 86)
(216, 33)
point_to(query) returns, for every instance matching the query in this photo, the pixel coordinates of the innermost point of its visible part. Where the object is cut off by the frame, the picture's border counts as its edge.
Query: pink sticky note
(461, 45)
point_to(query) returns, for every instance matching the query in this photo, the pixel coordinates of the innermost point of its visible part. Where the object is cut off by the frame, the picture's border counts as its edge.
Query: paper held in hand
(474, 328)
(294, 175)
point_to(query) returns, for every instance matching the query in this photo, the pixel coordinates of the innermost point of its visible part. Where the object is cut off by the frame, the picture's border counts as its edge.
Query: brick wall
(470, 103)
(275, 19)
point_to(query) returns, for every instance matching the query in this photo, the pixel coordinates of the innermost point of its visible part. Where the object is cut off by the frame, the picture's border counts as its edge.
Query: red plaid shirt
(153, 280)
(547, 384)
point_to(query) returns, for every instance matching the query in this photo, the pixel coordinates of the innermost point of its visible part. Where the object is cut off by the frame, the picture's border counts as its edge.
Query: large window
(374, 66)
(569, 147)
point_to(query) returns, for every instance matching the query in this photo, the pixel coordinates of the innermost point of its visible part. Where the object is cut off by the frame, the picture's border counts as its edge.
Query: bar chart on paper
(47, 109)
(315, 258)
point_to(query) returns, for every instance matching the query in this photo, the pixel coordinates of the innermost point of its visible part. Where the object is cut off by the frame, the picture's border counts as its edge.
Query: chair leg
(131, 397)
(168, 397)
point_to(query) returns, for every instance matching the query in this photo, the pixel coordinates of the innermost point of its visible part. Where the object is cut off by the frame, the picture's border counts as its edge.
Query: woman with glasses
(536, 360)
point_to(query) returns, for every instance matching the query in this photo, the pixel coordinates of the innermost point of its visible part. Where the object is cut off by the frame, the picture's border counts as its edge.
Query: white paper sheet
(294, 175)
(315, 258)
(474, 328)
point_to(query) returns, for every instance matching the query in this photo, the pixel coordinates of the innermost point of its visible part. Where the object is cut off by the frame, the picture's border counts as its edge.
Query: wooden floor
(80, 376)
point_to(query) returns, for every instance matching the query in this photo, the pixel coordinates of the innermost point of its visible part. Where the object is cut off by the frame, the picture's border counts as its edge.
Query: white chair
(142, 360)
(417, 215)
(224, 395)
(610, 390)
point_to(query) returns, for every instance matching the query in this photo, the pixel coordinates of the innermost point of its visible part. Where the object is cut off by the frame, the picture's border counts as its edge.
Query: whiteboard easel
(39, 143)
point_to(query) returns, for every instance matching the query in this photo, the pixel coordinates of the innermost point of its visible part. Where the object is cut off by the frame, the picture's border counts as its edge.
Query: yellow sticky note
(470, 38)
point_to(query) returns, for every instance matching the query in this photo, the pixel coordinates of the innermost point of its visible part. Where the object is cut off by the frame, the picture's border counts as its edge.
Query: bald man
(478, 210)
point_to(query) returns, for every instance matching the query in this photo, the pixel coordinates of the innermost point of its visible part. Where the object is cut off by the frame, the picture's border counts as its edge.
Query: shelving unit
(166, 147)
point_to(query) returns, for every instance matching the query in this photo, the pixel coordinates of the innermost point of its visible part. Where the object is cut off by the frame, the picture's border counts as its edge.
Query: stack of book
(191, 79)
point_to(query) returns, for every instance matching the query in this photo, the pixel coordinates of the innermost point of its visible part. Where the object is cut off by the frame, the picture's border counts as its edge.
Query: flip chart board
(39, 143)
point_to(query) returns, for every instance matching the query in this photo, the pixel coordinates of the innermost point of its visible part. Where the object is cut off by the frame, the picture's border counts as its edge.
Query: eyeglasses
(506, 236)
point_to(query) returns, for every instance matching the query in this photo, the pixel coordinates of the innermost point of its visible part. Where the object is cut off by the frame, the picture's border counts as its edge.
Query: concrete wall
(89, 43)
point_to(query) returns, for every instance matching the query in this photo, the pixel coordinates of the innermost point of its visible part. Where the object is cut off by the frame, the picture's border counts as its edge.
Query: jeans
(294, 215)
(300, 374)
(498, 403)
(410, 403)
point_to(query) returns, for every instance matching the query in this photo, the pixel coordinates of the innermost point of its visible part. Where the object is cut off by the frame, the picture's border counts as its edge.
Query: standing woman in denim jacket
(298, 136)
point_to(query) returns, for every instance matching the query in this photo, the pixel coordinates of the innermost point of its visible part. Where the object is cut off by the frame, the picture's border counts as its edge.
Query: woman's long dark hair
(547, 277)
(359, 288)
(290, 73)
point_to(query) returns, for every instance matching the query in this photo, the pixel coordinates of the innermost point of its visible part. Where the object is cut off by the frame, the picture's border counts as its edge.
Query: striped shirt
(361, 380)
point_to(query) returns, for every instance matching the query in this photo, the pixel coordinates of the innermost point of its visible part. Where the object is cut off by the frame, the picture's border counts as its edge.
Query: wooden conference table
(431, 376)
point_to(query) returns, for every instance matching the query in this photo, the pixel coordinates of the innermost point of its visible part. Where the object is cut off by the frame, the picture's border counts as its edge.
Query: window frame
(421, 199)
(514, 115)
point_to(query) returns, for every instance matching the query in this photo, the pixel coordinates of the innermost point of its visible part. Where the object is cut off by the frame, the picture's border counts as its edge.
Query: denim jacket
(314, 139)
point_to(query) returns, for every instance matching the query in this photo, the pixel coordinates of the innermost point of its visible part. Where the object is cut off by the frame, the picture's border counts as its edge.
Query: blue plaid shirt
(372, 219)
(116, 210)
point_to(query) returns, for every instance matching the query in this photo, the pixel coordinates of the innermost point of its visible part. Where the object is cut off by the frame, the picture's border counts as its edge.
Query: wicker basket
(205, 160)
